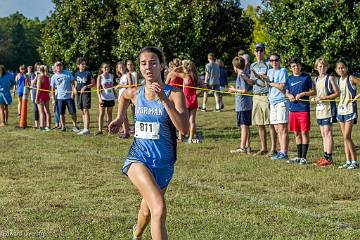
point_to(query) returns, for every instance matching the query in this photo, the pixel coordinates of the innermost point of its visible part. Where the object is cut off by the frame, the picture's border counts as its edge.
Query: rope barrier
(197, 88)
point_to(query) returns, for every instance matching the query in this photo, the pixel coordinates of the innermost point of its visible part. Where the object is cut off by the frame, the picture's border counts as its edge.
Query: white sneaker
(84, 132)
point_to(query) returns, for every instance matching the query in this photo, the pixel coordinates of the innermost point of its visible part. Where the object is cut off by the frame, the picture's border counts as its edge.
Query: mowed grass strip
(71, 187)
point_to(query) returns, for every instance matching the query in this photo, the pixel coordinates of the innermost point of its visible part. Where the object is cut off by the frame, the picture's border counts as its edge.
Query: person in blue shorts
(22, 81)
(64, 84)
(326, 91)
(159, 110)
(6, 81)
(347, 112)
(243, 104)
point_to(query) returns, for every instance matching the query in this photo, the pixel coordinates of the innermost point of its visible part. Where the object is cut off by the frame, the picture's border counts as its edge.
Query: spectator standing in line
(106, 95)
(326, 89)
(299, 87)
(6, 81)
(276, 79)
(64, 83)
(347, 112)
(84, 82)
(243, 104)
(223, 81)
(261, 108)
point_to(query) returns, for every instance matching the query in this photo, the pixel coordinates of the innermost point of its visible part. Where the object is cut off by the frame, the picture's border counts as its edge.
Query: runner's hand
(114, 126)
(159, 91)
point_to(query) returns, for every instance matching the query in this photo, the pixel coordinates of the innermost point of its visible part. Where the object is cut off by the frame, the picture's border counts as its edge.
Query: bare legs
(152, 207)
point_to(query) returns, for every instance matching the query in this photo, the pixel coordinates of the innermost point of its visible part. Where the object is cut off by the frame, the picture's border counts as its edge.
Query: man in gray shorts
(212, 79)
(261, 108)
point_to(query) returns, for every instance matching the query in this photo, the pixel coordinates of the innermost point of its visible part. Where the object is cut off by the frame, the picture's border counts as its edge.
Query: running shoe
(324, 162)
(303, 161)
(294, 160)
(217, 110)
(345, 165)
(84, 132)
(63, 129)
(47, 129)
(203, 109)
(353, 165)
(279, 156)
(75, 129)
(98, 133)
(239, 150)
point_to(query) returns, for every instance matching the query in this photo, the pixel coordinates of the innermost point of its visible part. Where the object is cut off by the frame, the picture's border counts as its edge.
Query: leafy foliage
(105, 30)
(314, 28)
(80, 28)
(20, 38)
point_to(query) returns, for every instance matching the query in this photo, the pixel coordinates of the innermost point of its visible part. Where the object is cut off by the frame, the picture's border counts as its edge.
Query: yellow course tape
(197, 88)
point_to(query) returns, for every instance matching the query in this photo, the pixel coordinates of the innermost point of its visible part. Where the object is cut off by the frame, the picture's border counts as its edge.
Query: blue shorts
(347, 118)
(69, 103)
(326, 121)
(243, 118)
(162, 175)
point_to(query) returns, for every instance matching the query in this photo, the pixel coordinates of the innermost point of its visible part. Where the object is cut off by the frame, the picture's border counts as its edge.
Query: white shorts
(279, 113)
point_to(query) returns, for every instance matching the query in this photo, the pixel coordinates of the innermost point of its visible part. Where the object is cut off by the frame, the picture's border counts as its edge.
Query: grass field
(63, 186)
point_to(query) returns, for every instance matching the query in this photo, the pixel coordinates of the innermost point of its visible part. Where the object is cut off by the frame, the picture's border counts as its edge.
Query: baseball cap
(260, 45)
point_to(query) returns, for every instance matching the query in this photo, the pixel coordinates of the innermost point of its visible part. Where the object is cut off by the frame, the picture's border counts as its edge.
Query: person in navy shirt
(298, 89)
(159, 110)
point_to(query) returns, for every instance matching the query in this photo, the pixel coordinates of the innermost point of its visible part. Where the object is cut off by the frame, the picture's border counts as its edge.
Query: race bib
(147, 130)
(320, 107)
(108, 90)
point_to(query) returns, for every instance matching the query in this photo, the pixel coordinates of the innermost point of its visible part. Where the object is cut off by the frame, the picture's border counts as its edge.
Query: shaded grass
(70, 187)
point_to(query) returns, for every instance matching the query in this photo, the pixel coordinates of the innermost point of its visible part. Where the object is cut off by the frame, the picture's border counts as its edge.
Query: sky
(42, 8)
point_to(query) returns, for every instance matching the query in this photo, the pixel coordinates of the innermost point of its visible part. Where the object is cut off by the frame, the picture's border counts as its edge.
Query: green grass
(63, 186)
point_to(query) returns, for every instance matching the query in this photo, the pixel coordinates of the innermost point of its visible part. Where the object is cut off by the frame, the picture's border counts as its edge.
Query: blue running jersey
(155, 134)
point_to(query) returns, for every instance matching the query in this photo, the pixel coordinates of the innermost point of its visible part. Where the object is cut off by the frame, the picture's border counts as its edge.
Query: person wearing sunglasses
(276, 79)
(261, 111)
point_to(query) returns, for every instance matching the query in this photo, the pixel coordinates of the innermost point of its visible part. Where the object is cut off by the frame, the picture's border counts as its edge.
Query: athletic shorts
(69, 103)
(347, 118)
(107, 103)
(325, 121)
(299, 121)
(261, 110)
(279, 113)
(162, 175)
(214, 87)
(243, 118)
(83, 101)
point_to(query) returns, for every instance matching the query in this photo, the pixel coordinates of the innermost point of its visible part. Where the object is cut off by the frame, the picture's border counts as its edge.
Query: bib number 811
(147, 127)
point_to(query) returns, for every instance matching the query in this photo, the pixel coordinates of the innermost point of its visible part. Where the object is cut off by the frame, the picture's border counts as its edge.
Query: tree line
(111, 30)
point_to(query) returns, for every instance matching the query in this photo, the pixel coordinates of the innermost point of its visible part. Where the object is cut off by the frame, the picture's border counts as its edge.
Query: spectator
(6, 81)
(42, 98)
(84, 82)
(212, 79)
(326, 89)
(64, 83)
(243, 104)
(261, 110)
(223, 81)
(298, 89)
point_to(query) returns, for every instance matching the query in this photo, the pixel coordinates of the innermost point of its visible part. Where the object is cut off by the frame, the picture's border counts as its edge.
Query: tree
(314, 28)
(19, 40)
(117, 30)
(80, 28)
(182, 28)
(259, 33)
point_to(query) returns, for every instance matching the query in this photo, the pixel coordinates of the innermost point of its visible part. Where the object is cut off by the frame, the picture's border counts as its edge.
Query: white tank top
(123, 81)
(107, 84)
